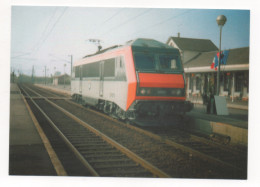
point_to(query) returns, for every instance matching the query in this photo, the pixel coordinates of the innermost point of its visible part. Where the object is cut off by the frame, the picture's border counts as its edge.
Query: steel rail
(76, 152)
(156, 171)
(59, 91)
(53, 156)
(166, 141)
(56, 98)
(45, 90)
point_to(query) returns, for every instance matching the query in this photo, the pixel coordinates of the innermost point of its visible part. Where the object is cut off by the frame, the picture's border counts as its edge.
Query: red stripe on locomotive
(153, 80)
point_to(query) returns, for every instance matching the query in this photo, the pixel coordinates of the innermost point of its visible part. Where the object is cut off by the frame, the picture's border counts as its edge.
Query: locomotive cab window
(173, 64)
(169, 63)
(144, 62)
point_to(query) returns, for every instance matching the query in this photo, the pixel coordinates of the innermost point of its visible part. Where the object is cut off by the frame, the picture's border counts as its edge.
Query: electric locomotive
(144, 77)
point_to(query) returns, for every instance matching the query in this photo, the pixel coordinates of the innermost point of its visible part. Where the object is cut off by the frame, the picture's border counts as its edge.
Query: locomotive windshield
(163, 63)
(169, 63)
(144, 62)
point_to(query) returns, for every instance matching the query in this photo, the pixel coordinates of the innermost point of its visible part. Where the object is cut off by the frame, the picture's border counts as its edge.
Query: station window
(198, 83)
(109, 67)
(191, 82)
(227, 81)
(239, 82)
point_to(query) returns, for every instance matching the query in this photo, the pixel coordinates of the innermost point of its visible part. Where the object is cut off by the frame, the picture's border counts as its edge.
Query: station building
(61, 79)
(197, 56)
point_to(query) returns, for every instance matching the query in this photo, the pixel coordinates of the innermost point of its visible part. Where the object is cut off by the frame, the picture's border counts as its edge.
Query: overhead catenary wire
(58, 58)
(162, 22)
(45, 30)
(17, 56)
(129, 20)
(50, 31)
(115, 14)
(37, 44)
(18, 59)
(159, 23)
(121, 9)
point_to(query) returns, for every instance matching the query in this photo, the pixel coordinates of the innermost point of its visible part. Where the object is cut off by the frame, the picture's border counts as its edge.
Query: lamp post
(64, 60)
(221, 20)
(53, 78)
(45, 75)
(71, 59)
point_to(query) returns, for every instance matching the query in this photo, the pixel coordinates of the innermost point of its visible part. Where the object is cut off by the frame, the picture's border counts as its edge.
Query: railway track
(172, 151)
(100, 155)
(222, 154)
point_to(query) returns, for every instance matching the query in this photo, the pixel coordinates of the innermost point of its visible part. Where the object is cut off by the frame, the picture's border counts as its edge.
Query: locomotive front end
(160, 88)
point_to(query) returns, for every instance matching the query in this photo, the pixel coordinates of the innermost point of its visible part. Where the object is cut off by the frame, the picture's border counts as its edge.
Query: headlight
(145, 91)
(174, 92)
(177, 92)
(142, 91)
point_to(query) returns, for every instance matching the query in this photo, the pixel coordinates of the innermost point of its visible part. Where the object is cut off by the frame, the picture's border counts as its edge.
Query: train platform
(234, 104)
(63, 89)
(234, 125)
(236, 117)
(27, 153)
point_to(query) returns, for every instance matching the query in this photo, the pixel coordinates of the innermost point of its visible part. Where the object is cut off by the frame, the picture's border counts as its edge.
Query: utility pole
(221, 20)
(33, 74)
(71, 60)
(11, 75)
(64, 76)
(53, 78)
(45, 74)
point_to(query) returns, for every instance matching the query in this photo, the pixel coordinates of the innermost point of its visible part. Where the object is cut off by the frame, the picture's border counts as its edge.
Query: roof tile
(236, 56)
(191, 44)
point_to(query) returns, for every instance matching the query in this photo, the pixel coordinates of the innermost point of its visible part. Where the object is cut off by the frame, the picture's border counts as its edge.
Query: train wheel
(120, 113)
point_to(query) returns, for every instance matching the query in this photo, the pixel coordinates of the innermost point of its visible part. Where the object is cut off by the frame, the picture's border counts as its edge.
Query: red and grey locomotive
(142, 78)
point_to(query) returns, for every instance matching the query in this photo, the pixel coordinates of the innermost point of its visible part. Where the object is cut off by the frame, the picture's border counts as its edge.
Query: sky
(47, 35)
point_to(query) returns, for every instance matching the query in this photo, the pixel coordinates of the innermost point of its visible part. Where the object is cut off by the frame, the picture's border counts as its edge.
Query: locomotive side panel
(103, 79)
(115, 81)
(115, 91)
(90, 90)
(74, 87)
